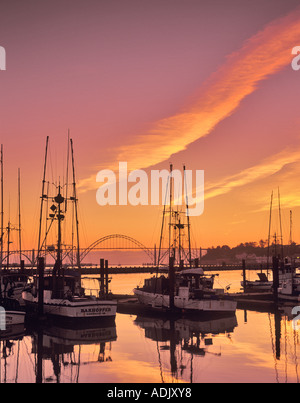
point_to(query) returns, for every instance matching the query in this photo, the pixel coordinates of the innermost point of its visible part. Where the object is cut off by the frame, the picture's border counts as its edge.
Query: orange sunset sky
(208, 84)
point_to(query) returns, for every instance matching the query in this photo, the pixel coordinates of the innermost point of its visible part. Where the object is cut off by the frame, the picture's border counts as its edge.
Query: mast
(19, 208)
(75, 204)
(280, 225)
(291, 225)
(8, 242)
(171, 253)
(188, 217)
(270, 218)
(59, 200)
(43, 197)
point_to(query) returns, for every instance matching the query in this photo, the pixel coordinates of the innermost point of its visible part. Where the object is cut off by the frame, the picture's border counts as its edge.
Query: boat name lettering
(94, 310)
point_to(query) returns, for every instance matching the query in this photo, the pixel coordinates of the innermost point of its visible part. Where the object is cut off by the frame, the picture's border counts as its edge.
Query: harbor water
(251, 346)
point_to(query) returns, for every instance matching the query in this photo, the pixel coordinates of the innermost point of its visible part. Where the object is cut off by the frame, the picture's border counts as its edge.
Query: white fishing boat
(68, 303)
(289, 284)
(187, 290)
(260, 285)
(189, 295)
(59, 294)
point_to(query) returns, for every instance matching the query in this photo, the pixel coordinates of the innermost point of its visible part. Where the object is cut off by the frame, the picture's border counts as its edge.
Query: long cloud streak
(264, 54)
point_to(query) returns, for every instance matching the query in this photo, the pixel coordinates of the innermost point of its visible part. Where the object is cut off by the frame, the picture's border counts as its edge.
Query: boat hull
(159, 301)
(80, 309)
(257, 285)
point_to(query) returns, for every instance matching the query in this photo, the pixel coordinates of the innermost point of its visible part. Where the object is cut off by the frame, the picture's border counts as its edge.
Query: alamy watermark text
(2, 58)
(140, 188)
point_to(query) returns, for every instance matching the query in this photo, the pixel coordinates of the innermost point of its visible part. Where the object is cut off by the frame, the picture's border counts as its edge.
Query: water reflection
(55, 349)
(248, 346)
(190, 336)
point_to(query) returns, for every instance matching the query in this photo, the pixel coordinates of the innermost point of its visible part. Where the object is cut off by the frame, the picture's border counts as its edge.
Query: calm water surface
(248, 347)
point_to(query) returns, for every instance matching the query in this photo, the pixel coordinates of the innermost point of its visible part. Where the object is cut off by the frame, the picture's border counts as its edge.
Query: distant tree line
(260, 249)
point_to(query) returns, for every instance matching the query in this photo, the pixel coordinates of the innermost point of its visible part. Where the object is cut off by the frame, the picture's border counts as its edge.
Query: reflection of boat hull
(14, 317)
(13, 332)
(160, 301)
(75, 308)
(185, 327)
(70, 336)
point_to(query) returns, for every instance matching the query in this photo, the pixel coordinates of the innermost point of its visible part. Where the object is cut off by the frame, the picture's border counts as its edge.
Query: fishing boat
(189, 295)
(184, 289)
(289, 284)
(263, 284)
(59, 294)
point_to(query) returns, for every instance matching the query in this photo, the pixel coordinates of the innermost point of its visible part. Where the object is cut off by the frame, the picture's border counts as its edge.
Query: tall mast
(59, 200)
(270, 218)
(8, 242)
(67, 173)
(188, 217)
(76, 204)
(19, 208)
(280, 225)
(43, 197)
(170, 219)
(291, 225)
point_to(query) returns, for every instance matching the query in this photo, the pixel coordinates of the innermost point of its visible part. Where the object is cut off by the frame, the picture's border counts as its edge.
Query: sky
(208, 84)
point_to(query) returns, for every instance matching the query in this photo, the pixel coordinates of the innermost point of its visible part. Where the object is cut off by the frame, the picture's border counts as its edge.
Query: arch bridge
(117, 241)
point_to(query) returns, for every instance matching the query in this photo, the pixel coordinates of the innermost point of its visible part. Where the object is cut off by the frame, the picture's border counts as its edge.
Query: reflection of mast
(277, 320)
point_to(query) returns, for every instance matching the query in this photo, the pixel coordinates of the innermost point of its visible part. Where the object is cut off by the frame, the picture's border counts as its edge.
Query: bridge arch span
(129, 240)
